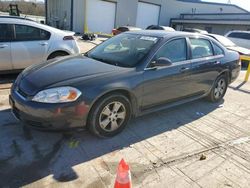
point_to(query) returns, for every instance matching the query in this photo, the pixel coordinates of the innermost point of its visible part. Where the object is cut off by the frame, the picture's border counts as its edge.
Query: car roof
(165, 34)
(239, 31)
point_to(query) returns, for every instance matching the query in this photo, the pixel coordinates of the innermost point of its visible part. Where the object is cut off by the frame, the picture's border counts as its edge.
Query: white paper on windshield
(154, 39)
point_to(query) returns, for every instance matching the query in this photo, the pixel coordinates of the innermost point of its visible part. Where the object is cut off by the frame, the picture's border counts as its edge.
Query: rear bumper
(235, 73)
(48, 116)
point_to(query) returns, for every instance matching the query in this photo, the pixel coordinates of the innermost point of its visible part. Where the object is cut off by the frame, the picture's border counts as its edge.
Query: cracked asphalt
(199, 144)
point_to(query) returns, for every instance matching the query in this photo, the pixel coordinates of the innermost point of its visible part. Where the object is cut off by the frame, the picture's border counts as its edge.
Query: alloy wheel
(220, 88)
(112, 116)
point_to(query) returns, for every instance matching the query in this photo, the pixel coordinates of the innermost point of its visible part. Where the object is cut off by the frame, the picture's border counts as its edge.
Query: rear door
(30, 46)
(5, 49)
(168, 83)
(205, 64)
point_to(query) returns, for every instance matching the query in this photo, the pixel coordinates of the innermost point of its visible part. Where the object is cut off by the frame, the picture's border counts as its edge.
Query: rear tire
(57, 54)
(109, 116)
(219, 89)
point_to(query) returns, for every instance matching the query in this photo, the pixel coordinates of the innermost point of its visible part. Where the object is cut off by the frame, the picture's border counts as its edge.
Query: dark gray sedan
(126, 76)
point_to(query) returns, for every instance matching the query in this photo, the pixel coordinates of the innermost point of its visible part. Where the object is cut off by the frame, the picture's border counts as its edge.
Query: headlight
(57, 95)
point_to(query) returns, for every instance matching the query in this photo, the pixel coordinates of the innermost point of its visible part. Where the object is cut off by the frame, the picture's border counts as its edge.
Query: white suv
(24, 42)
(241, 38)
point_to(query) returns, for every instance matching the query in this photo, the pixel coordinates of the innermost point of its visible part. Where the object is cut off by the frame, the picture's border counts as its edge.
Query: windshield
(125, 50)
(225, 41)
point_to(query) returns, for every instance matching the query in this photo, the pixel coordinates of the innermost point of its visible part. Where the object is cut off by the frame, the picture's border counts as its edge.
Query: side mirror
(161, 62)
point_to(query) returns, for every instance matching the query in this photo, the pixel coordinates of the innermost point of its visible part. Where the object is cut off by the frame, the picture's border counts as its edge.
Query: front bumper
(48, 116)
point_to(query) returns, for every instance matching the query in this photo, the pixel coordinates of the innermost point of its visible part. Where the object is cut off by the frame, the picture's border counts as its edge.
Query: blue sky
(242, 3)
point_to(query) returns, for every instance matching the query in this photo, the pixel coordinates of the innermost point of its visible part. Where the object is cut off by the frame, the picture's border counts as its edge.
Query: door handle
(43, 43)
(3, 46)
(217, 63)
(184, 69)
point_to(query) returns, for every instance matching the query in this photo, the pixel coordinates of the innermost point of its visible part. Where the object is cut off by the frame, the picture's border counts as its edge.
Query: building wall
(78, 16)
(126, 13)
(173, 9)
(59, 13)
(217, 29)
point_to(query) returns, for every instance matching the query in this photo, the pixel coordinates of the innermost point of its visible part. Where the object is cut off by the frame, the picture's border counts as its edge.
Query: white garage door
(101, 16)
(147, 14)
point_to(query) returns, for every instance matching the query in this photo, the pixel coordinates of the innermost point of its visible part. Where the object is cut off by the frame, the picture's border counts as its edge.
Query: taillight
(68, 38)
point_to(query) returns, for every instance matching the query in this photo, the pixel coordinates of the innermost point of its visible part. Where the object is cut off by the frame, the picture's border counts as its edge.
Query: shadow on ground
(239, 88)
(27, 155)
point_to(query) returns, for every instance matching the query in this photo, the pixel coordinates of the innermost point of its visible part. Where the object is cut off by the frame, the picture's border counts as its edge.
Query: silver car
(24, 42)
(241, 38)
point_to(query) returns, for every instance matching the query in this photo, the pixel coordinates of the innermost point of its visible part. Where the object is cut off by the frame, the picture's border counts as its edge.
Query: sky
(241, 3)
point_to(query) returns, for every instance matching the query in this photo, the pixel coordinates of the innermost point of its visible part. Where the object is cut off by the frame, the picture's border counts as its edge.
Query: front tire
(109, 116)
(219, 89)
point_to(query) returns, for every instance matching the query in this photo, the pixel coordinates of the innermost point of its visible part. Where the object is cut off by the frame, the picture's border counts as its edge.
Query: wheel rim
(220, 88)
(112, 116)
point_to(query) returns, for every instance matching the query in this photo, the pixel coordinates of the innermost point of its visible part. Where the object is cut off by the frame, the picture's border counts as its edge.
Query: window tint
(201, 48)
(4, 33)
(240, 35)
(175, 50)
(217, 50)
(123, 29)
(28, 33)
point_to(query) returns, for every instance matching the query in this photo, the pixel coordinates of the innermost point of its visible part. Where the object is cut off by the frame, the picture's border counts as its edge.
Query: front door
(29, 47)
(168, 83)
(5, 52)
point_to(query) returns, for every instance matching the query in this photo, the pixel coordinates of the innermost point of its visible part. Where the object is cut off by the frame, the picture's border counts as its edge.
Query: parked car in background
(24, 42)
(194, 30)
(124, 29)
(241, 38)
(159, 27)
(128, 75)
(232, 46)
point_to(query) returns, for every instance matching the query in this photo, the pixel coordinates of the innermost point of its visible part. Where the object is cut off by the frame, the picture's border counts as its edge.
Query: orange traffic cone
(123, 177)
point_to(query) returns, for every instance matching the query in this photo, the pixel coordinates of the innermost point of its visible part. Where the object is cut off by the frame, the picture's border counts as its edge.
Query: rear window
(29, 33)
(123, 29)
(240, 35)
(5, 35)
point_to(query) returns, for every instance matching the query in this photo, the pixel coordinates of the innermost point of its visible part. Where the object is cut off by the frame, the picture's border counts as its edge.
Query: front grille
(22, 93)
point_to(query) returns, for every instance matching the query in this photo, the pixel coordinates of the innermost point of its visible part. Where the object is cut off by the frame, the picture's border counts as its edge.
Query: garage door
(147, 14)
(101, 16)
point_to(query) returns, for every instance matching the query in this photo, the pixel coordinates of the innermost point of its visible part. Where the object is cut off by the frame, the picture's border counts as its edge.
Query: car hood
(242, 51)
(41, 76)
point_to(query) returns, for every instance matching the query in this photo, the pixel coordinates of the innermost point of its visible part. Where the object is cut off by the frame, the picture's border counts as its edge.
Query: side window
(175, 50)
(217, 49)
(240, 35)
(234, 35)
(201, 48)
(28, 33)
(4, 33)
